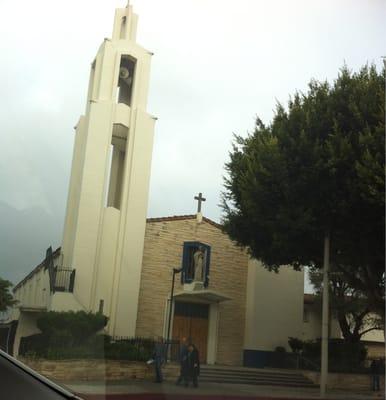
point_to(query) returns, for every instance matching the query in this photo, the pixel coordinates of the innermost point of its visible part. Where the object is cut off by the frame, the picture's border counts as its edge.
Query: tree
(317, 169)
(6, 299)
(349, 307)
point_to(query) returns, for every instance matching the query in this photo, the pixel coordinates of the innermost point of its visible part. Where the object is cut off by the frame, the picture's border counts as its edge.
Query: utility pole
(325, 317)
(175, 271)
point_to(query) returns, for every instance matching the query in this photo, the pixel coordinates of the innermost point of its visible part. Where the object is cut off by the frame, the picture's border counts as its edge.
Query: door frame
(213, 320)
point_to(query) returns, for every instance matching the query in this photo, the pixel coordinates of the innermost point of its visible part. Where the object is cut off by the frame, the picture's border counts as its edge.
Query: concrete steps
(250, 376)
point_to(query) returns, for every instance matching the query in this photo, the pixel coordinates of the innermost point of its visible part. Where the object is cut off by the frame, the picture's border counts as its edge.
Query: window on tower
(126, 80)
(122, 33)
(91, 85)
(117, 162)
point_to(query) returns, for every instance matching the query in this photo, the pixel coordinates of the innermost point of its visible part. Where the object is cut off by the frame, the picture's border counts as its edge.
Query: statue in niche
(195, 264)
(199, 262)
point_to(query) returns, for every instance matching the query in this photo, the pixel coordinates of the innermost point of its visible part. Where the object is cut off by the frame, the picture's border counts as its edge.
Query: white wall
(26, 327)
(34, 292)
(312, 327)
(64, 301)
(374, 336)
(274, 307)
(312, 323)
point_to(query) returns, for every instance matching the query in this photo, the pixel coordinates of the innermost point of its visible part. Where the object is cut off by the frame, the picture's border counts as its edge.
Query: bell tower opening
(126, 80)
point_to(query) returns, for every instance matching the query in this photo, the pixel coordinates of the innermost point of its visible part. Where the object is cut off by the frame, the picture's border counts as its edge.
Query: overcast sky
(217, 65)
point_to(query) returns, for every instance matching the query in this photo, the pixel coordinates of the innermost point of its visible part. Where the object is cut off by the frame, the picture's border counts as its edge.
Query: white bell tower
(108, 194)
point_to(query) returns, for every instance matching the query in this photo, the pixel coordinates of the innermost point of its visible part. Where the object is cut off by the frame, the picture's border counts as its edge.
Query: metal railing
(63, 280)
(141, 346)
(306, 363)
(96, 347)
(291, 361)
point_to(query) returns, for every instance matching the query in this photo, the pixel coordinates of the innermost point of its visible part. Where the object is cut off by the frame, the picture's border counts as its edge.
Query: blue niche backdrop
(195, 263)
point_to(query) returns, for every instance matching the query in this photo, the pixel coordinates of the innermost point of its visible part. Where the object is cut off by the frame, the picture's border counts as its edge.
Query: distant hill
(24, 237)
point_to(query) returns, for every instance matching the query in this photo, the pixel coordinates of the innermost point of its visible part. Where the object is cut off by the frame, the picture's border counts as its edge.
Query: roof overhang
(309, 298)
(201, 296)
(32, 309)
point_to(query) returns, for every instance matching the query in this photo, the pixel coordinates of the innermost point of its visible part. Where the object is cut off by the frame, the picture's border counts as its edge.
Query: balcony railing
(63, 280)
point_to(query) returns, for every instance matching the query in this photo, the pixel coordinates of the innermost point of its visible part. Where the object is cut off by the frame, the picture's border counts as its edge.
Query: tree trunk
(344, 327)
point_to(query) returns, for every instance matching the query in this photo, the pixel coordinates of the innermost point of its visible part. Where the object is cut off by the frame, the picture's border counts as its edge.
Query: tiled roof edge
(182, 217)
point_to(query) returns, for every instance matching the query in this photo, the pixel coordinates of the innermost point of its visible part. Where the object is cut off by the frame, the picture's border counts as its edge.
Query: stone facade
(97, 370)
(343, 381)
(163, 250)
(114, 370)
(375, 349)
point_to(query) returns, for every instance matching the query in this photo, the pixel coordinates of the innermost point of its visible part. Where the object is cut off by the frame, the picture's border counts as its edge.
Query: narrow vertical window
(101, 306)
(122, 33)
(90, 93)
(116, 166)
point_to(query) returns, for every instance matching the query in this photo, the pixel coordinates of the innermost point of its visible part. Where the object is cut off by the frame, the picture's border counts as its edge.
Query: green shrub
(280, 349)
(61, 346)
(73, 328)
(277, 359)
(311, 350)
(130, 349)
(295, 344)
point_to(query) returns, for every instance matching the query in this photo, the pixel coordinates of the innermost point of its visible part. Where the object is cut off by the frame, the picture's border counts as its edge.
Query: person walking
(182, 359)
(375, 370)
(192, 365)
(159, 359)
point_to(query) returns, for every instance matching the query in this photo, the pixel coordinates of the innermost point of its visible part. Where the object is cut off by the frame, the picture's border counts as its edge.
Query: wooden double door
(191, 321)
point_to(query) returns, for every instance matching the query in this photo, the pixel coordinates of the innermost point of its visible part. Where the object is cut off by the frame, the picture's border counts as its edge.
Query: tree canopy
(6, 298)
(317, 168)
(349, 306)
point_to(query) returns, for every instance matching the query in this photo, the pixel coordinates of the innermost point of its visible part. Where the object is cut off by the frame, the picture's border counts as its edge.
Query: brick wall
(228, 275)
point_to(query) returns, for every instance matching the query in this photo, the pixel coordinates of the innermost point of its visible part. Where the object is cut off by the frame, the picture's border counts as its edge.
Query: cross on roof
(200, 199)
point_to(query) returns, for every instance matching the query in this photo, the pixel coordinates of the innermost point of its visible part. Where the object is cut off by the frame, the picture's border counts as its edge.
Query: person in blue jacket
(182, 359)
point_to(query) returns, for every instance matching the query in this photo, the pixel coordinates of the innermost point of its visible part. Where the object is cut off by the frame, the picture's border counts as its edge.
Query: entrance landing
(206, 391)
(252, 376)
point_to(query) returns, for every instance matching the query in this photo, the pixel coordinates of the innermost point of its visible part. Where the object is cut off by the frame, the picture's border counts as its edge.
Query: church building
(115, 261)
(210, 289)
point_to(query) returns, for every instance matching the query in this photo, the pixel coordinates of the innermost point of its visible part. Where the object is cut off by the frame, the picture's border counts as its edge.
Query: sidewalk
(210, 391)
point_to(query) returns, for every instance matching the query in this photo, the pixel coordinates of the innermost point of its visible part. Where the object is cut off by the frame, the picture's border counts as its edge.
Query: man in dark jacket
(182, 359)
(192, 366)
(375, 369)
(159, 356)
